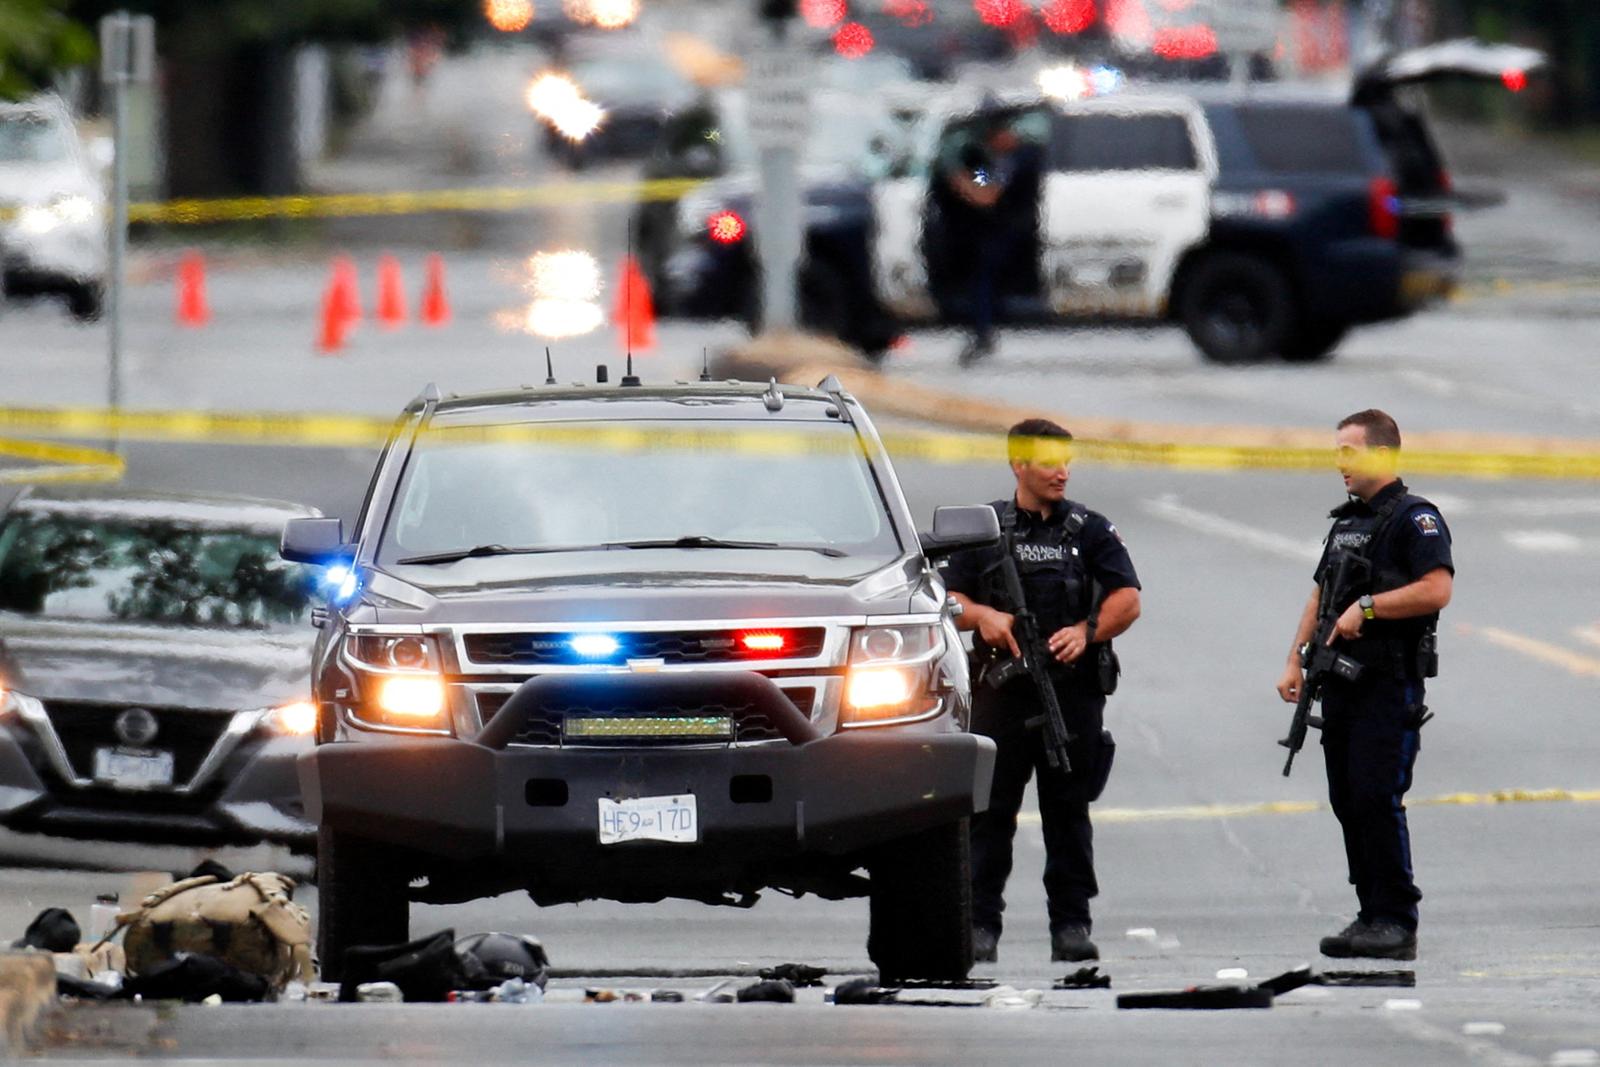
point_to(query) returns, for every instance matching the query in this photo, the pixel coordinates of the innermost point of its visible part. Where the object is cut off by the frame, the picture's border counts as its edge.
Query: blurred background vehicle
(155, 659)
(699, 252)
(1265, 220)
(633, 87)
(52, 207)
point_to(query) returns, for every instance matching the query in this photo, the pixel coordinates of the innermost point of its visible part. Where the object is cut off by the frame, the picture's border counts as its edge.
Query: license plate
(649, 819)
(122, 769)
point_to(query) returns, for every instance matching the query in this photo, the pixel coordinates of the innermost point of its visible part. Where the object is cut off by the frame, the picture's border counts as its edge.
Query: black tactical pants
(1069, 880)
(1370, 742)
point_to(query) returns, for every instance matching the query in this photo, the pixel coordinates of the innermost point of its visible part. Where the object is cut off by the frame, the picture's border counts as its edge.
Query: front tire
(921, 906)
(1236, 308)
(361, 897)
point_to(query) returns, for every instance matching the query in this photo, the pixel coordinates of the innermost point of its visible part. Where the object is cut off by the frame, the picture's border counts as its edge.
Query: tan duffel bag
(250, 922)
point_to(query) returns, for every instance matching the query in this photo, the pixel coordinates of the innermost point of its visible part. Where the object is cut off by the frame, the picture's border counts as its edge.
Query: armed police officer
(1385, 574)
(1078, 584)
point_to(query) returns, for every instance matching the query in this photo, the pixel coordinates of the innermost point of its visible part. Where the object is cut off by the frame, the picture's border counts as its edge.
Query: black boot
(1071, 944)
(1338, 945)
(985, 945)
(1385, 941)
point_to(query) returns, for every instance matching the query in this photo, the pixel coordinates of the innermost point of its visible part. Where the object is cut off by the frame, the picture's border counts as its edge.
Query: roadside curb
(27, 994)
(805, 361)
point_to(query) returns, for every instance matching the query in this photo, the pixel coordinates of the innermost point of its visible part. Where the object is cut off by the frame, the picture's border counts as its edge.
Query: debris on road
(769, 991)
(861, 991)
(1084, 978)
(379, 993)
(427, 969)
(53, 930)
(1399, 979)
(192, 977)
(1200, 998)
(799, 975)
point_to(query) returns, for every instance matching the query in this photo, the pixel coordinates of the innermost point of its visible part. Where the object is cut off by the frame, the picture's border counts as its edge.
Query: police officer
(1370, 734)
(1080, 583)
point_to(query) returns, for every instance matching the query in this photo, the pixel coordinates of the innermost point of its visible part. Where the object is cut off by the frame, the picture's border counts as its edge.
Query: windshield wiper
(701, 541)
(477, 551)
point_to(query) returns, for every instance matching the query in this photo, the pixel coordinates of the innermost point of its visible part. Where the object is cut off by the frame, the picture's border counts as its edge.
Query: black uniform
(1370, 735)
(1061, 559)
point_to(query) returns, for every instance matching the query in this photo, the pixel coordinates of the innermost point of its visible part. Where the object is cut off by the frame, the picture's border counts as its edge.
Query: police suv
(1265, 220)
(634, 643)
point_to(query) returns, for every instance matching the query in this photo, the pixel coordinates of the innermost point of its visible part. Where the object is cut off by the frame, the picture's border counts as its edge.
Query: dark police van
(1265, 220)
(633, 643)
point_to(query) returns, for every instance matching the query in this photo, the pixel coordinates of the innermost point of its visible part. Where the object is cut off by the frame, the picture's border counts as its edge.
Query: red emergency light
(822, 14)
(853, 40)
(1514, 79)
(725, 227)
(1185, 42)
(766, 642)
(999, 12)
(1068, 16)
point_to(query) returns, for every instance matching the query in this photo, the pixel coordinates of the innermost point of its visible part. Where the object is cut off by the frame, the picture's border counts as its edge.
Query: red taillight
(763, 642)
(725, 227)
(1514, 79)
(1383, 208)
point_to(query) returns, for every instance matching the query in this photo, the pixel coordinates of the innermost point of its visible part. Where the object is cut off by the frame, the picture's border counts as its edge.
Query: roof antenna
(549, 368)
(630, 378)
(705, 364)
(628, 269)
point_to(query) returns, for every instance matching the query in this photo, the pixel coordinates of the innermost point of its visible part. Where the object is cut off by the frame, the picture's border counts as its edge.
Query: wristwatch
(1368, 611)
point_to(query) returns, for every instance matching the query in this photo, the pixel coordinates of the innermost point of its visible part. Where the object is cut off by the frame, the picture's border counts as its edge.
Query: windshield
(31, 139)
(574, 486)
(636, 79)
(69, 567)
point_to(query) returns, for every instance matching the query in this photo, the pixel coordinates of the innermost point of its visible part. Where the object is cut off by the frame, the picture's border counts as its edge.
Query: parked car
(636, 88)
(153, 667)
(702, 668)
(1265, 221)
(699, 251)
(52, 208)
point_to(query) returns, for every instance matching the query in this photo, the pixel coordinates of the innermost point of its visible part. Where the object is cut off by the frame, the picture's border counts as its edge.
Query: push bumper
(463, 800)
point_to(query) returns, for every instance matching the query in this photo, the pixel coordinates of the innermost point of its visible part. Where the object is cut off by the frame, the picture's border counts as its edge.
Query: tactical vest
(1402, 647)
(1052, 557)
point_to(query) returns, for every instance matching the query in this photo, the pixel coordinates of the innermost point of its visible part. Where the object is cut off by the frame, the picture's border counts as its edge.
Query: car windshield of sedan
(150, 571)
(566, 487)
(30, 139)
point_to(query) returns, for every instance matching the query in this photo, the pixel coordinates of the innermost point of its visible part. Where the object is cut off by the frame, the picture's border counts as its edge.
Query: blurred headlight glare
(298, 719)
(412, 699)
(875, 688)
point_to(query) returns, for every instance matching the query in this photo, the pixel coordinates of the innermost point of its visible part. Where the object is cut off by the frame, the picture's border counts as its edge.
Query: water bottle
(102, 918)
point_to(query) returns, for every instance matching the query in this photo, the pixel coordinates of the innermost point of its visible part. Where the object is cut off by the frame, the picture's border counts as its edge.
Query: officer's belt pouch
(1108, 668)
(1100, 767)
(250, 922)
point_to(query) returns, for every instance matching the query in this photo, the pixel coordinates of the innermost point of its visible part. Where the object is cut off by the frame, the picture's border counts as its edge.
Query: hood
(159, 666)
(38, 183)
(687, 595)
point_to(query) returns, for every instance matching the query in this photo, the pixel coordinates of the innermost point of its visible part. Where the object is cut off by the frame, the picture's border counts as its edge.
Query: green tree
(38, 40)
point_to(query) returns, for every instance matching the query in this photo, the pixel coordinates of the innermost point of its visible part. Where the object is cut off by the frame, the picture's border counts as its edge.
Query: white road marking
(1169, 508)
(1549, 541)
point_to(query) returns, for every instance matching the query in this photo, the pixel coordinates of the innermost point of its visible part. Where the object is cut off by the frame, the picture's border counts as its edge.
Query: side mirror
(960, 527)
(312, 540)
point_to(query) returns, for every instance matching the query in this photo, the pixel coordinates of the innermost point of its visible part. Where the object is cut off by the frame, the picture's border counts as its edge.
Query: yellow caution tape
(354, 431)
(1196, 812)
(58, 463)
(349, 205)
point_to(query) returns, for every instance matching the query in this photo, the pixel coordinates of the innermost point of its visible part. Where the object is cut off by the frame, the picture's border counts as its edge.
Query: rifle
(1348, 573)
(1034, 662)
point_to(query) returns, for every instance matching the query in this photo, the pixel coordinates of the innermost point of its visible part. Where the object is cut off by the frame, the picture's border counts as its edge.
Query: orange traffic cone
(435, 305)
(635, 313)
(193, 310)
(345, 288)
(341, 306)
(391, 294)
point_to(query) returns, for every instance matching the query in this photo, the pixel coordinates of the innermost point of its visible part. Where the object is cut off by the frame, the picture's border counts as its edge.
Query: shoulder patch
(1116, 533)
(1427, 523)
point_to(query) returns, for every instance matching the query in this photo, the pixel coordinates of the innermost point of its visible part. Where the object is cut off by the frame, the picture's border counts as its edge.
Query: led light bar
(594, 646)
(709, 727)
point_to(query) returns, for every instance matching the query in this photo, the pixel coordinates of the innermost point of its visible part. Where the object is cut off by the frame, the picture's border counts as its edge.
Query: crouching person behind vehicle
(1044, 666)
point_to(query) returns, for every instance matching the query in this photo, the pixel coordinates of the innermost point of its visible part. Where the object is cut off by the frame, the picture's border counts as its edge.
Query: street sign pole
(127, 55)
(779, 102)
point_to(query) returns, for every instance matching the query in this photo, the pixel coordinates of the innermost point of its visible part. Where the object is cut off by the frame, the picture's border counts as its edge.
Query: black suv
(635, 643)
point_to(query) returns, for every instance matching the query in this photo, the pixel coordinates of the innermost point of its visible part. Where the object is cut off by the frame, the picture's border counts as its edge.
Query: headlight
(890, 675)
(296, 720)
(383, 652)
(62, 211)
(411, 700)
